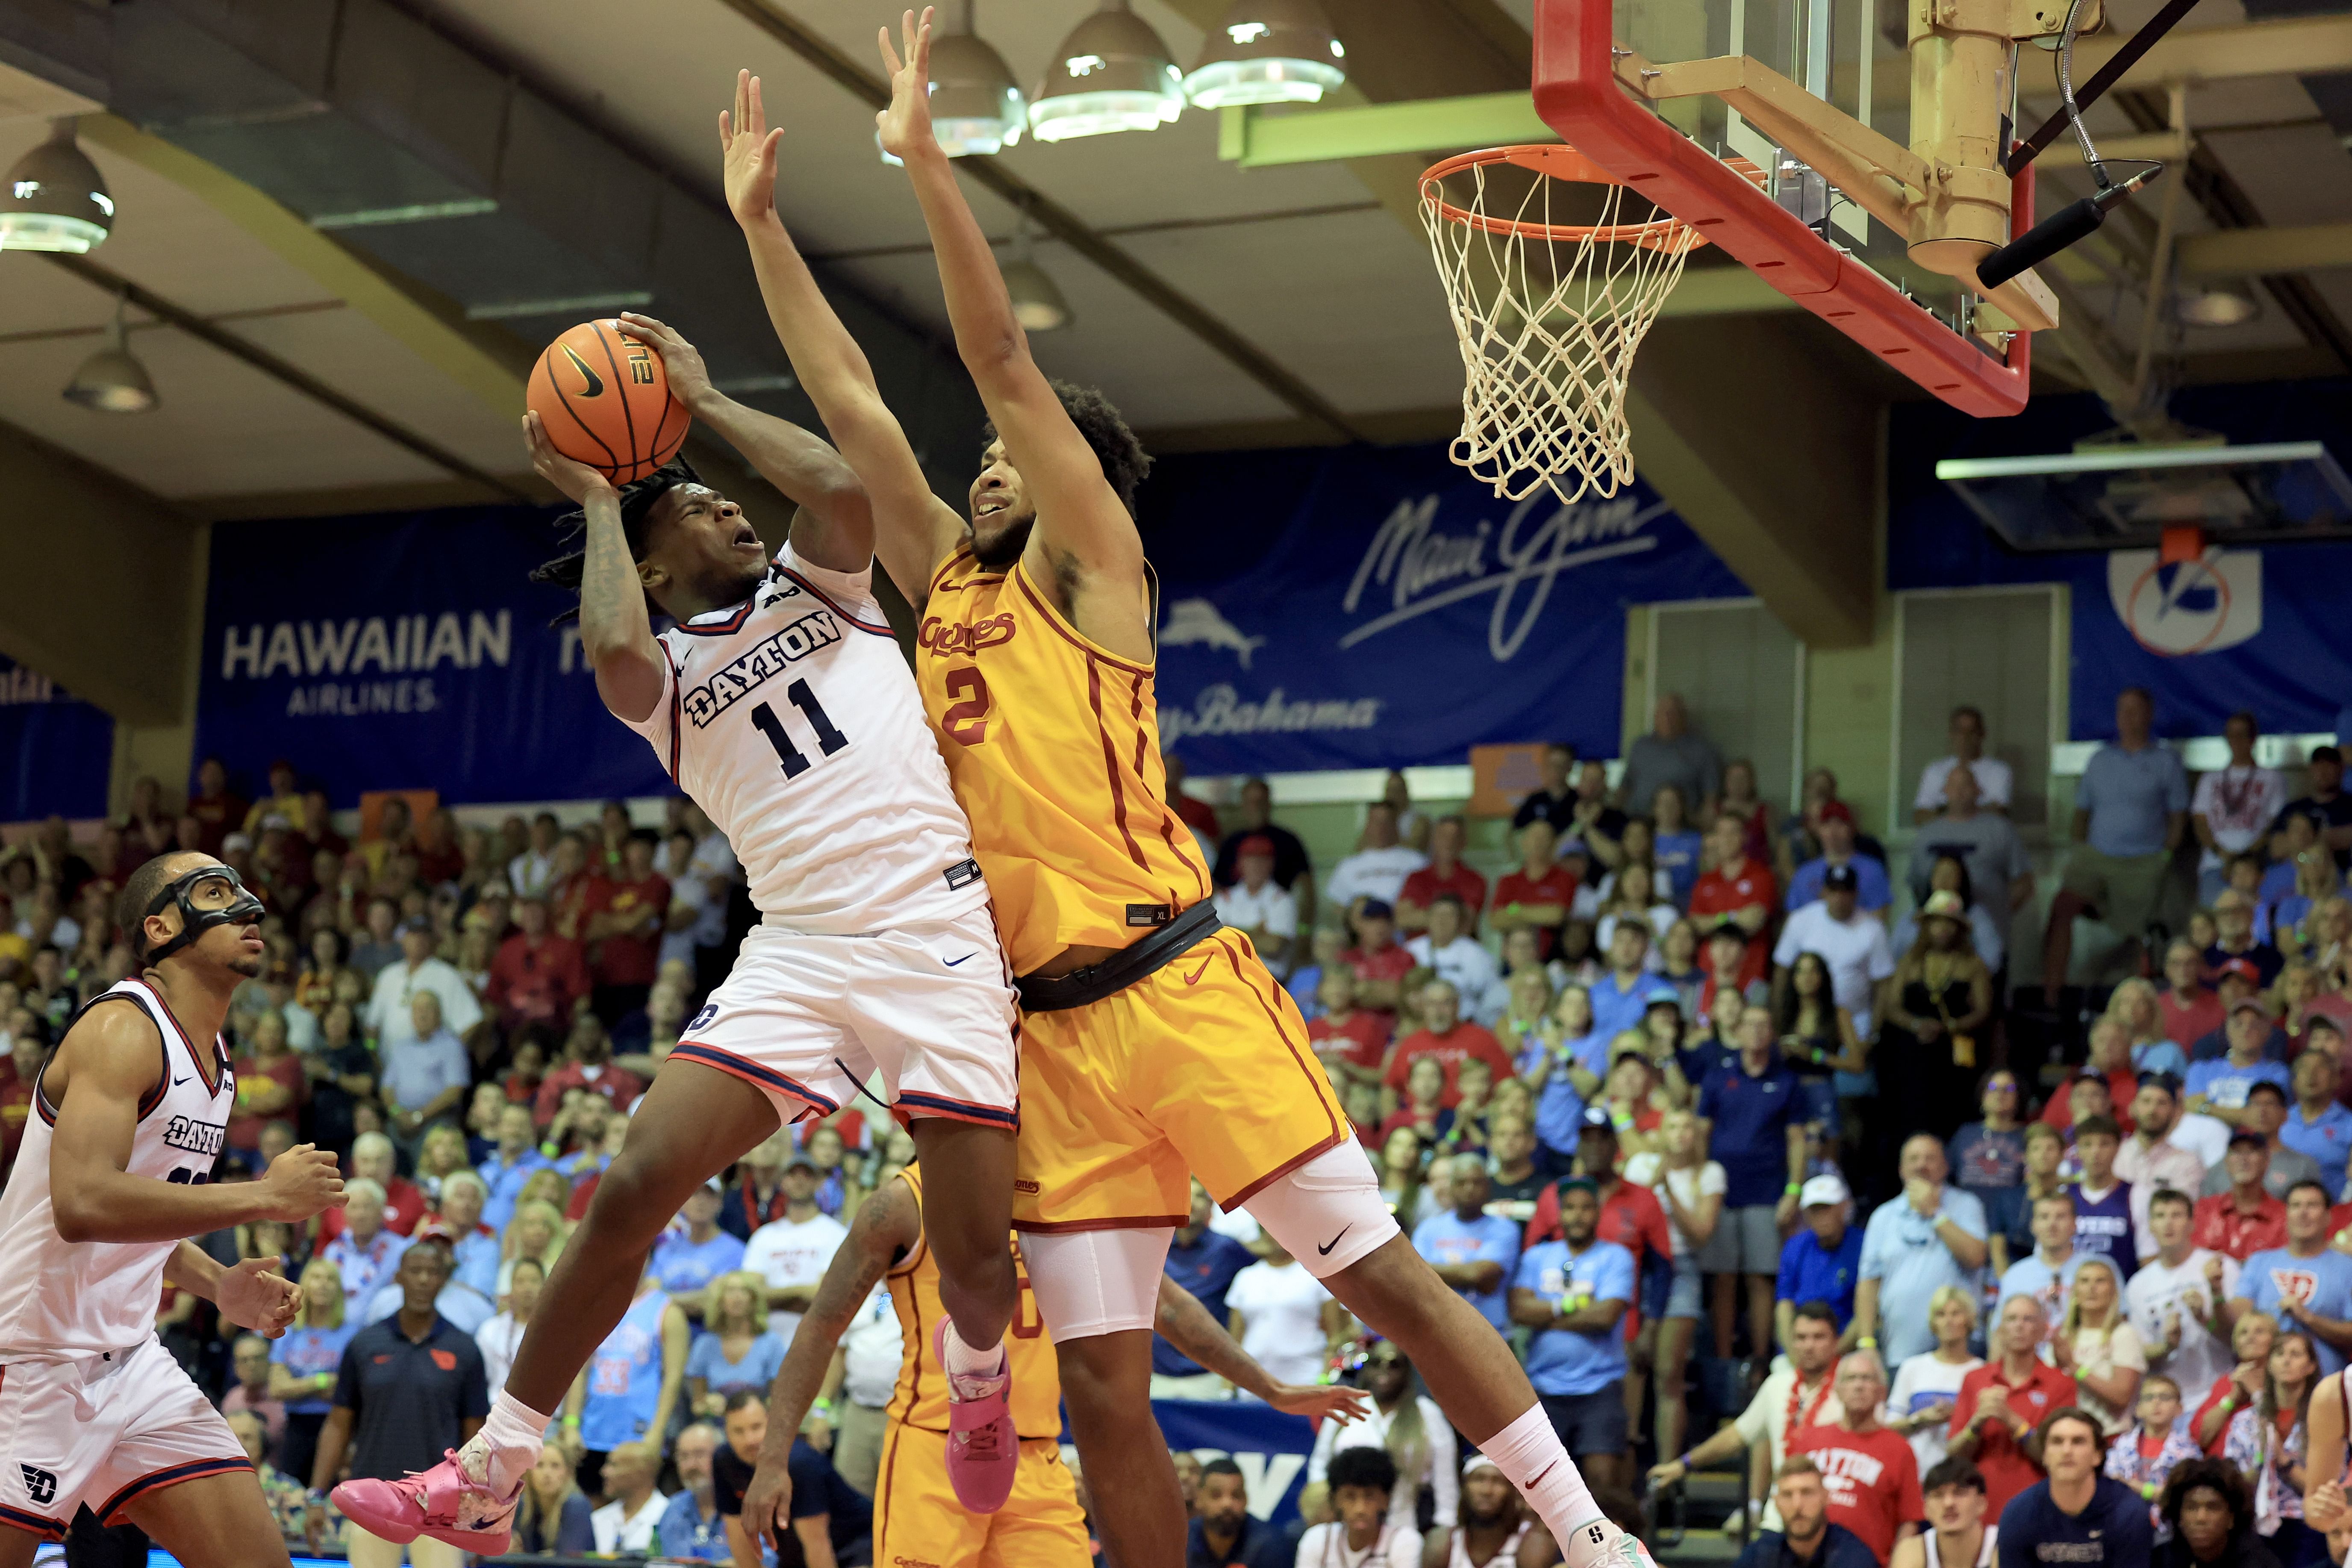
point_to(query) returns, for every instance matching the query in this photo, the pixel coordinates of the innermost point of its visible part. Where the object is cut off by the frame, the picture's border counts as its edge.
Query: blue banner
(61, 749)
(2260, 627)
(406, 652)
(1270, 1448)
(1364, 607)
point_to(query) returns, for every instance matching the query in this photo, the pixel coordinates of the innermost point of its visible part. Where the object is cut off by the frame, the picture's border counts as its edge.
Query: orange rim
(1557, 161)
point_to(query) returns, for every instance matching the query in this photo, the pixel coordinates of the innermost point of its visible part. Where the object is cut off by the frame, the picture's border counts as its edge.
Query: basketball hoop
(1549, 313)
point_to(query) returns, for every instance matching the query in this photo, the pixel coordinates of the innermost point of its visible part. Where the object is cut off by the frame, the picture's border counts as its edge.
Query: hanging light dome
(2217, 307)
(54, 198)
(110, 381)
(976, 106)
(1267, 51)
(1112, 73)
(1038, 302)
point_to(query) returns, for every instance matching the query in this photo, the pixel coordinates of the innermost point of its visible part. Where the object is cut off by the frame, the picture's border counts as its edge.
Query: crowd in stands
(1719, 1113)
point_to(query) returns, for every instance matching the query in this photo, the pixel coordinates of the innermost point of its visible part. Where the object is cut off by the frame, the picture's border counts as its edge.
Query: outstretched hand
(576, 481)
(906, 123)
(748, 150)
(1335, 1403)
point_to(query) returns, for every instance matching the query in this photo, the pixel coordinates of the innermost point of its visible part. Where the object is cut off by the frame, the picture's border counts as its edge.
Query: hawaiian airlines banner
(406, 652)
(2260, 628)
(1270, 1449)
(1361, 607)
(59, 748)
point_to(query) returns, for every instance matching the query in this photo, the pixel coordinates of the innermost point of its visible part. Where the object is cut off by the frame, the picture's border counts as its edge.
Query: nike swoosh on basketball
(595, 388)
(951, 963)
(1325, 1250)
(1195, 978)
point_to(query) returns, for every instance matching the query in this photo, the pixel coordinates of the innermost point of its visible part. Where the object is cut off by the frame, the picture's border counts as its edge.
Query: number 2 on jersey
(966, 722)
(828, 739)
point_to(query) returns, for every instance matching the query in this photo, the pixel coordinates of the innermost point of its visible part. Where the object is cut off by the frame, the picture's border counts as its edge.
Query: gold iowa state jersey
(1053, 746)
(920, 1396)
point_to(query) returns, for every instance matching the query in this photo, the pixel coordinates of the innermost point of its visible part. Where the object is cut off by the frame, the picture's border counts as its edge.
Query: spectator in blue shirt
(2049, 1273)
(2131, 807)
(1620, 997)
(1205, 1262)
(1754, 1108)
(1822, 1262)
(1222, 1534)
(2219, 1088)
(1470, 1249)
(2319, 1126)
(2077, 1516)
(1574, 1293)
(423, 1078)
(692, 1529)
(688, 1261)
(2306, 1284)
(1931, 1237)
(1806, 1538)
(511, 1164)
(1872, 890)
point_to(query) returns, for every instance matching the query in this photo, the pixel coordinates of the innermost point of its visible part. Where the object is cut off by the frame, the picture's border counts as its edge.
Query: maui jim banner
(1358, 607)
(406, 652)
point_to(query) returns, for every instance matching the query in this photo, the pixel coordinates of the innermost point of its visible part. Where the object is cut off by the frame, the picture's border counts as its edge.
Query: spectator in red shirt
(588, 1065)
(2105, 1082)
(1380, 965)
(217, 812)
(1728, 958)
(1741, 890)
(2190, 1010)
(1421, 1107)
(626, 910)
(1871, 1472)
(1445, 1036)
(2246, 1219)
(403, 1201)
(536, 977)
(2002, 1402)
(1349, 1041)
(1541, 894)
(1446, 873)
(1193, 812)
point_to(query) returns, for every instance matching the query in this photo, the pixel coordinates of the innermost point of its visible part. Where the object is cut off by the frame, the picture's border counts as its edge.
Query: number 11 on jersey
(828, 739)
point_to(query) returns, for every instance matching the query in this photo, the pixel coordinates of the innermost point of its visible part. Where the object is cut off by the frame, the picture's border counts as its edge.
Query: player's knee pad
(1090, 1282)
(1327, 1213)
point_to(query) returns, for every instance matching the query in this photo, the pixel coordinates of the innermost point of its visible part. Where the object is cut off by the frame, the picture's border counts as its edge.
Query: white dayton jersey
(61, 1299)
(793, 721)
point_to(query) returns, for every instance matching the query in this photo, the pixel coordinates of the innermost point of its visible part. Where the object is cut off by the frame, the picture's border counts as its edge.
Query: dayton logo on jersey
(194, 1136)
(797, 640)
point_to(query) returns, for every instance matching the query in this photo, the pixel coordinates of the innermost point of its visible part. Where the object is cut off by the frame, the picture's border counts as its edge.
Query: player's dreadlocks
(637, 500)
(1124, 461)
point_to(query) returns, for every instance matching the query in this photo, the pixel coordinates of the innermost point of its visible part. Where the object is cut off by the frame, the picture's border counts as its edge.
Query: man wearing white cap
(1822, 1262)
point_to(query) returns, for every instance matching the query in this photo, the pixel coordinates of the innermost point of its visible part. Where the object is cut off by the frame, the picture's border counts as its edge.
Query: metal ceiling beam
(2304, 46)
(279, 370)
(2259, 252)
(1061, 223)
(1256, 140)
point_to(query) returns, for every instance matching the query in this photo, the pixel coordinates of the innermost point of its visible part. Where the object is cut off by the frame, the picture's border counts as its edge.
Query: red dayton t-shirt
(2006, 1469)
(1716, 895)
(1361, 1041)
(1424, 886)
(1451, 1049)
(630, 960)
(1556, 886)
(1872, 1479)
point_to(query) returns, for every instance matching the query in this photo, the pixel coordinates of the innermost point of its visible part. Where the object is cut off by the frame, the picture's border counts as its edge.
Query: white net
(1550, 295)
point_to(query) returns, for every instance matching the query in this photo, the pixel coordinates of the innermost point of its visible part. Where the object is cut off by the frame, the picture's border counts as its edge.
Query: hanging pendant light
(110, 381)
(54, 198)
(1038, 302)
(1268, 51)
(1112, 73)
(976, 106)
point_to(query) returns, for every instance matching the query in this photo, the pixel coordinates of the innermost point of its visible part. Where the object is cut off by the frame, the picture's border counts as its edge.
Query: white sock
(1532, 1458)
(511, 1439)
(965, 1362)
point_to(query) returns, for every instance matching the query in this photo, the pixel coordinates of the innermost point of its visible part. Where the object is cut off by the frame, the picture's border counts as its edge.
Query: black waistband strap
(1121, 969)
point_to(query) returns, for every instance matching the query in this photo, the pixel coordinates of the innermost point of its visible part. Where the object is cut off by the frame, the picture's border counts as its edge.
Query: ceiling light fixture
(2218, 308)
(1267, 51)
(976, 106)
(1038, 302)
(54, 198)
(110, 381)
(1112, 73)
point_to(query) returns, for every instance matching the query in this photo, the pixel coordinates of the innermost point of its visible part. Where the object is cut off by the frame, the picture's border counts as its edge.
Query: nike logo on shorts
(1195, 978)
(951, 963)
(1325, 1250)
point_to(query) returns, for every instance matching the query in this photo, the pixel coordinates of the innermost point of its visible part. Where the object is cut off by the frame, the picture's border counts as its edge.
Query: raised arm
(912, 529)
(1186, 1324)
(1083, 529)
(834, 526)
(616, 632)
(888, 1223)
(107, 1064)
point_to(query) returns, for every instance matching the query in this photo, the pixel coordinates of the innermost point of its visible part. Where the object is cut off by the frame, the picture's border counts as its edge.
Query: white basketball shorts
(809, 1018)
(102, 1431)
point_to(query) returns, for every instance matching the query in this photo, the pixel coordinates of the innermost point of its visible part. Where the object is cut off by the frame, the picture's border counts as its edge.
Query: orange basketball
(605, 402)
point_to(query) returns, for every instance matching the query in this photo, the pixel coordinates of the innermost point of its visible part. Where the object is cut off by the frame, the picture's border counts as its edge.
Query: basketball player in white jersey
(1957, 1535)
(781, 704)
(1495, 1527)
(113, 1176)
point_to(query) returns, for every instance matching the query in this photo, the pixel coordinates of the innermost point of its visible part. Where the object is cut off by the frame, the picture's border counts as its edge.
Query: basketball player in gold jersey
(1156, 1045)
(916, 1520)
